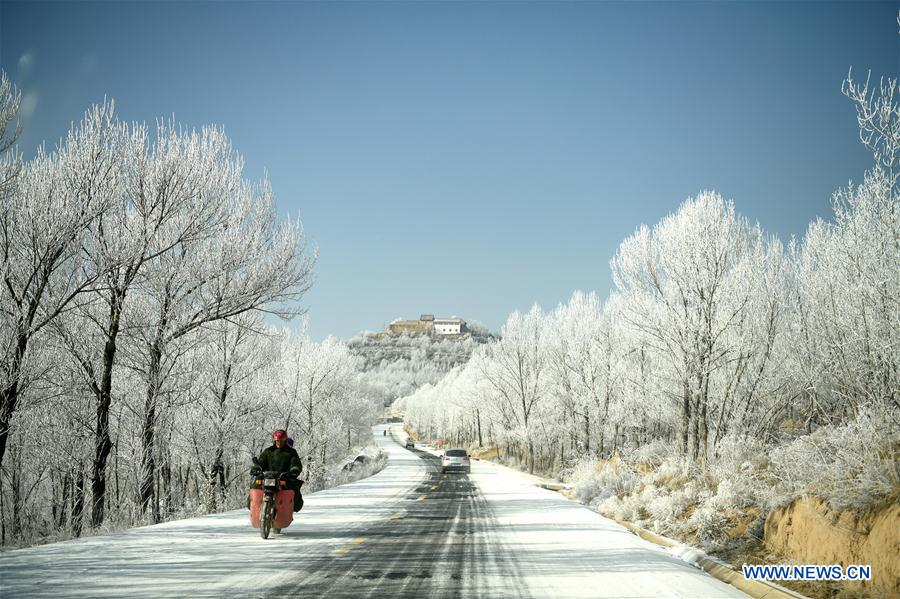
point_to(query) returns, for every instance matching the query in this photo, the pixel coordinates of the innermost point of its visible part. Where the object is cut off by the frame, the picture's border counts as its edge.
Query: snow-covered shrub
(691, 492)
(673, 473)
(711, 524)
(594, 484)
(648, 494)
(738, 453)
(653, 453)
(622, 508)
(612, 507)
(727, 495)
(666, 508)
(741, 469)
(854, 465)
(350, 471)
(634, 509)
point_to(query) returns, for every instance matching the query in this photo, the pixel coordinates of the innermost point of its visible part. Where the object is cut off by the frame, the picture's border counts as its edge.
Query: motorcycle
(271, 501)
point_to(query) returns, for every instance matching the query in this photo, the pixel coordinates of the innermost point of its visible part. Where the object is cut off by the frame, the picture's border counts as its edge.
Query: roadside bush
(737, 453)
(711, 525)
(854, 465)
(623, 508)
(741, 471)
(673, 473)
(667, 508)
(374, 462)
(692, 492)
(594, 485)
(612, 507)
(728, 496)
(653, 454)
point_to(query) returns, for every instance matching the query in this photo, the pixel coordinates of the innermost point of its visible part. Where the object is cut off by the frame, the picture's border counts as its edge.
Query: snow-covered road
(408, 531)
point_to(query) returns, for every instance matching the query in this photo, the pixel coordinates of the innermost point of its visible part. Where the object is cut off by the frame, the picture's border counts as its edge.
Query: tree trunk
(102, 440)
(148, 460)
(166, 482)
(148, 433)
(704, 428)
(685, 417)
(116, 472)
(2, 515)
(223, 488)
(9, 396)
(695, 432)
(78, 503)
(478, 420)
(587, 432)
(562, 454)
(64, 500)
(217, 481)
(530, 458)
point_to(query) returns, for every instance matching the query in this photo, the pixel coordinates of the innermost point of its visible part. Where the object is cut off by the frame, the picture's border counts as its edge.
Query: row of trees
(714, 328)
(135, 367)
(396, 365)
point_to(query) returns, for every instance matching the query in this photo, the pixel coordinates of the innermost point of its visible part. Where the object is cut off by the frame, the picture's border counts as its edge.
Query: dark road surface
(436, 545)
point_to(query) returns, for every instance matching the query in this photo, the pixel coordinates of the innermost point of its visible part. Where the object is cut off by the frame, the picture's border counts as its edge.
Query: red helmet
(279, 434)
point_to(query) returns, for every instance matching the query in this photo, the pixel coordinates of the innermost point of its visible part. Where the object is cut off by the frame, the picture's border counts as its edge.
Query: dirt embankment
(810, 532)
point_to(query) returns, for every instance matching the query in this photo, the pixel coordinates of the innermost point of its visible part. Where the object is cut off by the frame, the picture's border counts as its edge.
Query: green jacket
(284, 459)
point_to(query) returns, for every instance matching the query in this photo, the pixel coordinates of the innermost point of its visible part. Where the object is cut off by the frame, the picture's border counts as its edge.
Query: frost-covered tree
(684, 288)
(586, 360)
(320, 401)
(518, 371)
(848, 286)
(171, 194)
(230, 367)
(43, 235)
(752, 388)
(878, 116)
(249, 262)
(136, 268)
(10, 127)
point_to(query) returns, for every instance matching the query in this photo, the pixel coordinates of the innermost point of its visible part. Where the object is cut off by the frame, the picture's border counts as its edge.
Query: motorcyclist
(280, 457)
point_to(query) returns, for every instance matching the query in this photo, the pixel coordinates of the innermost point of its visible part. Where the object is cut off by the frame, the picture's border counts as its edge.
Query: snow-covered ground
(218, 555)
(563, 549)
(534, 542)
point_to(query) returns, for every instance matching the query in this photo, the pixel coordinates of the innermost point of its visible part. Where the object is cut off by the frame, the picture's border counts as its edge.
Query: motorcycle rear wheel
(267, 516)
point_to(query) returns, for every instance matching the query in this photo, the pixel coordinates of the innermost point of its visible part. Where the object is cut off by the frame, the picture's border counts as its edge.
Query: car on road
(409, 443)
(455, 459)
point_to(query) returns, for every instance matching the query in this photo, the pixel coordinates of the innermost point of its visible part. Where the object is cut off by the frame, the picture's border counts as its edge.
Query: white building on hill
(429, 325)
(448, 326)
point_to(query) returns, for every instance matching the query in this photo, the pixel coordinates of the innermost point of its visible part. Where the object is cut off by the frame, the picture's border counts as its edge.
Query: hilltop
(404, 358)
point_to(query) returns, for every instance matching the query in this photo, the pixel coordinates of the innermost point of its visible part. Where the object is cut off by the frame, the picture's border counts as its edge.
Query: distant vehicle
(455, 459)
(409, 443)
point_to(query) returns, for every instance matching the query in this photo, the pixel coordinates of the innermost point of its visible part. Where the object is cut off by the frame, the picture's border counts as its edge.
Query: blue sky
(474, 158)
